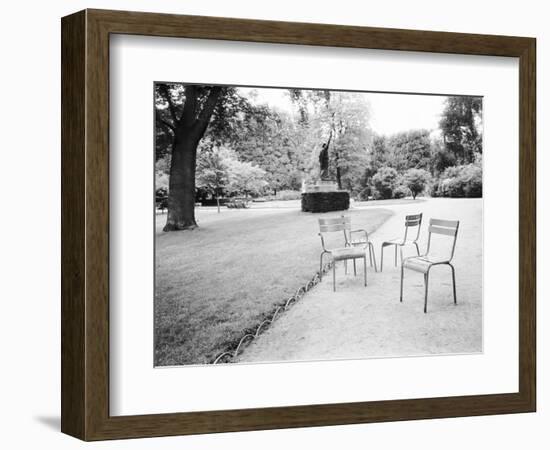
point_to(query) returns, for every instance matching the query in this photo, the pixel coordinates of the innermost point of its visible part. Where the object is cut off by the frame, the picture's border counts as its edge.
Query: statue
(324, 160)
(324, 195)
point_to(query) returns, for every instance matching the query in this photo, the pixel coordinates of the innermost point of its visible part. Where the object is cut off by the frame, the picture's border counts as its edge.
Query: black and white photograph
(297, 224)
(269, 225)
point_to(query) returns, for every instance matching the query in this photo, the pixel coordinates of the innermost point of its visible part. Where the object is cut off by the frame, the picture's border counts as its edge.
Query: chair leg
(346, 266)
(401, 254)
(354, 268)
(370, 255)
(321, 268)
(426, 279)
(382, 258)
(402, 276)
(454, 283)
(371, 248)
(334, 276)
(395, 256)
(365, 268)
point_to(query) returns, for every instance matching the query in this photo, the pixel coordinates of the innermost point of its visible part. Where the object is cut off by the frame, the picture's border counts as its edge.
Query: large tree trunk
(188, 131)
(181, 192)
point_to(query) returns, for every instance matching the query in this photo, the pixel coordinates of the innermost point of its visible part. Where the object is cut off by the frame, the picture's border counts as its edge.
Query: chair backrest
(411, 221)
(334, 224)
(331, 224)
(347, 227)
(445, 228)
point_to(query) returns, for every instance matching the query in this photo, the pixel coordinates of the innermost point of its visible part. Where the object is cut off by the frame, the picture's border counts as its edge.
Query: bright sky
(390, 113)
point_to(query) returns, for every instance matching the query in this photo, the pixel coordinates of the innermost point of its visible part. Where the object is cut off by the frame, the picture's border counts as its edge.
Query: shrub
(161, 198)
(384, 182)
(416, 180)
(461, 181)
(434, 189)
(400, 191)
(451, 187)
(473, 178)
(288, 195)
(295, 180)
(161, 180)
(365, 193)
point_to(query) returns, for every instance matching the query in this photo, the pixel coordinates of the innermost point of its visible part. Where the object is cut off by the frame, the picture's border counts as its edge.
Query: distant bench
(237, 203)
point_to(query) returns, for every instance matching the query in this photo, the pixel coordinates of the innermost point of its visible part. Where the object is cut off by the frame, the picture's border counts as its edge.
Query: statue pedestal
(324, 196)
(322, 186)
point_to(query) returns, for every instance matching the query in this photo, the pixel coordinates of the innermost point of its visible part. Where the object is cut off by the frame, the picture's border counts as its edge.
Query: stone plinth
(322, 197)
(322, 186)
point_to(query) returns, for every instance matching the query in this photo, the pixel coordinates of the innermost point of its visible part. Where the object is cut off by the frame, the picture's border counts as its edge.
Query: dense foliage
(416, 180)
(448, 161)
(460, 181)
(253, 149)
(384, 182)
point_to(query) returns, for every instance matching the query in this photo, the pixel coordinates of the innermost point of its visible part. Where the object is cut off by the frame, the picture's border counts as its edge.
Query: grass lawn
(225, 277)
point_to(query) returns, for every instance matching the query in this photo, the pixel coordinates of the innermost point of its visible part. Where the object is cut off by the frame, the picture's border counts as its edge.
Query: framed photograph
(272, 225)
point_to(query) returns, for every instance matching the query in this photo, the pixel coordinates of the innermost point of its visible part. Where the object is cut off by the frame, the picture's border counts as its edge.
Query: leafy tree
(378, 153)
(184, 112)
(416, 180)
(461, 127)
(377, 157)
(190, 108)
(384, 182)
(336, 126)
(313, 127)
(441, 157)
(244, 178)
(295, 179)
(349, 116)
(400, 191)
(213, 171)
(309, 102)
(410, 149)
(273, 141)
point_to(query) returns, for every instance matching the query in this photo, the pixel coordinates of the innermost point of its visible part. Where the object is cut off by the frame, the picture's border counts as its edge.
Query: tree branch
(165, 123)
(163, 89)
(208, 108)
(203, 118)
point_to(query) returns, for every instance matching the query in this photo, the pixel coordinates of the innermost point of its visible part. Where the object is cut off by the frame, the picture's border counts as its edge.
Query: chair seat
(398, 241)
(359, 242)
(339, 254)
(422, 263)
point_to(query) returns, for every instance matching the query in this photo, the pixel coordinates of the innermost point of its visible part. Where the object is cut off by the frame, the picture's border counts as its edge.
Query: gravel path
(359, 322)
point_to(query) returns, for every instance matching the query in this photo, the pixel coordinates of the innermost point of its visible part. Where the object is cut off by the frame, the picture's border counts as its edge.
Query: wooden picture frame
(85, 224)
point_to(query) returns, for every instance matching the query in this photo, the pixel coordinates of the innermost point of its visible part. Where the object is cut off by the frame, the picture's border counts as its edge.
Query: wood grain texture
(73, 225)
(527, 223)
(85, 224)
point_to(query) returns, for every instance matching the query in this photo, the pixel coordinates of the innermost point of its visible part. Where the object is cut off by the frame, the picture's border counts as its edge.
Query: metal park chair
(411, 221)
(424, 263)
(338, 224)
(359, 238)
